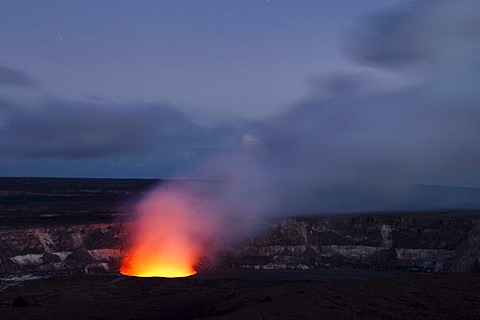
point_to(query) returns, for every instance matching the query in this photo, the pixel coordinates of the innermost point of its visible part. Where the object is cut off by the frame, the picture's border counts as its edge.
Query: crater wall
(412, 243)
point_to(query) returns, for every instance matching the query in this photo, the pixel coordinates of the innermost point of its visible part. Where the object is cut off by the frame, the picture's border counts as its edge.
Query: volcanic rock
(20, 302)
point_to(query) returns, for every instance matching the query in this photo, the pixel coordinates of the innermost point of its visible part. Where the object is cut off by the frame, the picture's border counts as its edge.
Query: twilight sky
(243, 58)
(152, 88)
(210, 59)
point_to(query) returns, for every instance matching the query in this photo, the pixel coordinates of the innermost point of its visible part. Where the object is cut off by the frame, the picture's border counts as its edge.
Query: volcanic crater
(68, 236)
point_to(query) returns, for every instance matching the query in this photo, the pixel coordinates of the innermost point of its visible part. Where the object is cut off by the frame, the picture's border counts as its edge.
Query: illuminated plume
(170, 235)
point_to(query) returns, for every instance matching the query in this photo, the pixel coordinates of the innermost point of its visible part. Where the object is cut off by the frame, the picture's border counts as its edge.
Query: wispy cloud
(13, 77)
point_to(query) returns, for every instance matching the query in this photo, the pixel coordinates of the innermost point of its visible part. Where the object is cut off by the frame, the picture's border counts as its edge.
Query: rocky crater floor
(248, 294)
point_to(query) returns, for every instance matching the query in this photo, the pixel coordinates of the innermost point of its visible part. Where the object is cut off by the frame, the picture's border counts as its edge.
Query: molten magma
(168, 237)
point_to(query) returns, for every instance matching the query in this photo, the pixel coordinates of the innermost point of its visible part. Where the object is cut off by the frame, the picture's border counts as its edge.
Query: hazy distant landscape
(30, 201)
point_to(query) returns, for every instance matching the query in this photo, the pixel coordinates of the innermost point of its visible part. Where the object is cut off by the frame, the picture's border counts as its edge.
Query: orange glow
(167, 239)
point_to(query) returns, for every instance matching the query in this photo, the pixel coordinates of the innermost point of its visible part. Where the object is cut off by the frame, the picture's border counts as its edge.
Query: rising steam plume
(352, 151)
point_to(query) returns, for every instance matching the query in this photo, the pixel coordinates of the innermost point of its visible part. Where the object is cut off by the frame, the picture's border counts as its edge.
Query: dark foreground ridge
(247, 294)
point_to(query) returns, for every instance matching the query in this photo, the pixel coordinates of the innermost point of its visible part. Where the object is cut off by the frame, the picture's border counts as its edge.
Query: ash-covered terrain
(69, 236)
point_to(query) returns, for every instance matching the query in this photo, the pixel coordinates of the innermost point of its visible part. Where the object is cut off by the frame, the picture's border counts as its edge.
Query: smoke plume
(364, 152)
(356, 153)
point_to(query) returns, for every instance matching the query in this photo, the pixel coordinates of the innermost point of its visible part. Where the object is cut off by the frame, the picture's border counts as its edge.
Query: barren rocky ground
(244, 294)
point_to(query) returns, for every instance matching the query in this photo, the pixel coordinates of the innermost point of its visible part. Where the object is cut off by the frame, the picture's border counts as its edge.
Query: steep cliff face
(73, 248)
(406, 243)
(435, 244)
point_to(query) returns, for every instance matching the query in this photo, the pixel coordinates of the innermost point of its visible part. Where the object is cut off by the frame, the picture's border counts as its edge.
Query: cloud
(12, 77)
(434, 31)
(45, 135)
(51, 128)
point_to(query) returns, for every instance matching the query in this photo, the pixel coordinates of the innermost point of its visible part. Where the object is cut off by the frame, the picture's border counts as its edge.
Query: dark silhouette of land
(248, 295)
